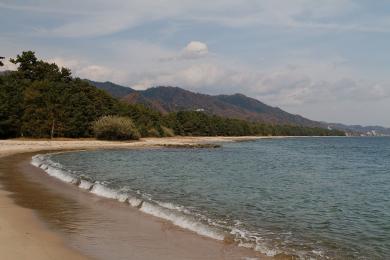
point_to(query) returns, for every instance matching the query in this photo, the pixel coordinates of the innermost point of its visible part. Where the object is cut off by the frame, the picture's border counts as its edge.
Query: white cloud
(95, 72)
(195, 49)
(72, 63)
(8, 65)
(85, 70)
(297, 83)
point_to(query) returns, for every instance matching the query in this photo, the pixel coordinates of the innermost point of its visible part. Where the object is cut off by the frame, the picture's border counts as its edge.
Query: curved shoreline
(22, 233)
(42, 243)
(154, 208)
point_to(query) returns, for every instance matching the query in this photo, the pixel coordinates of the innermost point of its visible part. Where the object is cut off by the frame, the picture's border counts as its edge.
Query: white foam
(36, 161)
(181, 220)
(318, 252)
(103, 191)
(56, 170)
(86, 185)
(134, 202)
(173, 206)
(122, 197)
(52, 168)
(246, 245)
(252, 240)
(59, 174)
(44, 167)
(265, 250)
(238, 232)
(169, 205)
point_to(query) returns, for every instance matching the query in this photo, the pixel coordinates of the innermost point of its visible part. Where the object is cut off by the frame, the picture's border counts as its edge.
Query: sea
(308, 197)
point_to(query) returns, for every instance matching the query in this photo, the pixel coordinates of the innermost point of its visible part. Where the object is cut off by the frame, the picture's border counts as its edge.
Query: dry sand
(24, 236)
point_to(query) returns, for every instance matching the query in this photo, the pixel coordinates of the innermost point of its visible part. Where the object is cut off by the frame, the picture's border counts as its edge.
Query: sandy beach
(23, 234)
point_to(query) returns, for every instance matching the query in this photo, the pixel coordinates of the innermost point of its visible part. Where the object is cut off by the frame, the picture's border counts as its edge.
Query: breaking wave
(176, 214)
(168, 211)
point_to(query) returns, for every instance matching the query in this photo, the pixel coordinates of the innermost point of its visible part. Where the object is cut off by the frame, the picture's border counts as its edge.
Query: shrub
(168, 132)
(115, 128)
(152, 132)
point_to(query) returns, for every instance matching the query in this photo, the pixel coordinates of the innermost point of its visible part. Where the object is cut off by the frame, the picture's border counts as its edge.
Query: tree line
(40, 99)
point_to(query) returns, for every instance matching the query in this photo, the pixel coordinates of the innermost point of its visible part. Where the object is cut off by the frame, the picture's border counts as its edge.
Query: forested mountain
(40, 99)
(259, 111)
(113, 89)
(174, 99)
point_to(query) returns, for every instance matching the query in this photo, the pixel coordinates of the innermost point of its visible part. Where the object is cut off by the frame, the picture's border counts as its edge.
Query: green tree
(29, 67)
(11, 105)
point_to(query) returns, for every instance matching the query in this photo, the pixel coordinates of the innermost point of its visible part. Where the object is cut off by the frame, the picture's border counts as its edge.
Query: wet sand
(22, 234)
(45, 218)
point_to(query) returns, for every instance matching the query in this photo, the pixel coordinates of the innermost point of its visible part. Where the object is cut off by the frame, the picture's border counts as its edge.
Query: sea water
(320, 198)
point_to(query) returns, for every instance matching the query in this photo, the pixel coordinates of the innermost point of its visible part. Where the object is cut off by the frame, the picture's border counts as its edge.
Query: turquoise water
(309, 197)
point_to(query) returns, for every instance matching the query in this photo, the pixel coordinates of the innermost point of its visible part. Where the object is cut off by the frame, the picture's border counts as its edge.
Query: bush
(168, 132)
(153, 133)
(115, 128)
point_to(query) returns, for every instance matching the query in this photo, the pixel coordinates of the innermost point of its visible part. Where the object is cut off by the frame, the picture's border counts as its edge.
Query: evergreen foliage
(189, 123)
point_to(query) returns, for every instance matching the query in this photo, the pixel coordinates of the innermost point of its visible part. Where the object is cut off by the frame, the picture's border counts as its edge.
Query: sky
(327, 60)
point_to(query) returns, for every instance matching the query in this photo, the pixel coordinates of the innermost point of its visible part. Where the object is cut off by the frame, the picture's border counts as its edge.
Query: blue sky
(324, 59)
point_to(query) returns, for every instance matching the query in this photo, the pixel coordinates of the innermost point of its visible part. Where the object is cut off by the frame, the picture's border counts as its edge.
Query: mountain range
(173, 99)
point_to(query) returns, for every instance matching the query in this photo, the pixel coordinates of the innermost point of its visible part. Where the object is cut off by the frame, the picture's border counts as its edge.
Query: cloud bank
(99, 17)
(303, 55)
(296, 83)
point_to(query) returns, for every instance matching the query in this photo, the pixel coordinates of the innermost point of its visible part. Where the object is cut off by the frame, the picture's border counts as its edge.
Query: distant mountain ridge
(173, 99)
(113, 89)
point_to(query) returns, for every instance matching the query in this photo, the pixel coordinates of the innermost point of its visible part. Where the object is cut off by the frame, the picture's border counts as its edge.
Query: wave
(53, 169)
(181, 220)
(176, 214)
(85, 185)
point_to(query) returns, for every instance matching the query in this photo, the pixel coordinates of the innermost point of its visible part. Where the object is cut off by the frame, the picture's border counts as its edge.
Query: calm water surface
(310, 197)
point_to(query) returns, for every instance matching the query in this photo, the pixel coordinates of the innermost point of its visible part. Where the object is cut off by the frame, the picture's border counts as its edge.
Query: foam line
(176, 214)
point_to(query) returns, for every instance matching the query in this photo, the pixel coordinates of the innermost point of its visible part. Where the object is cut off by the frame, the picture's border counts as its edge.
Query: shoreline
(22, 234)
(44, 243)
